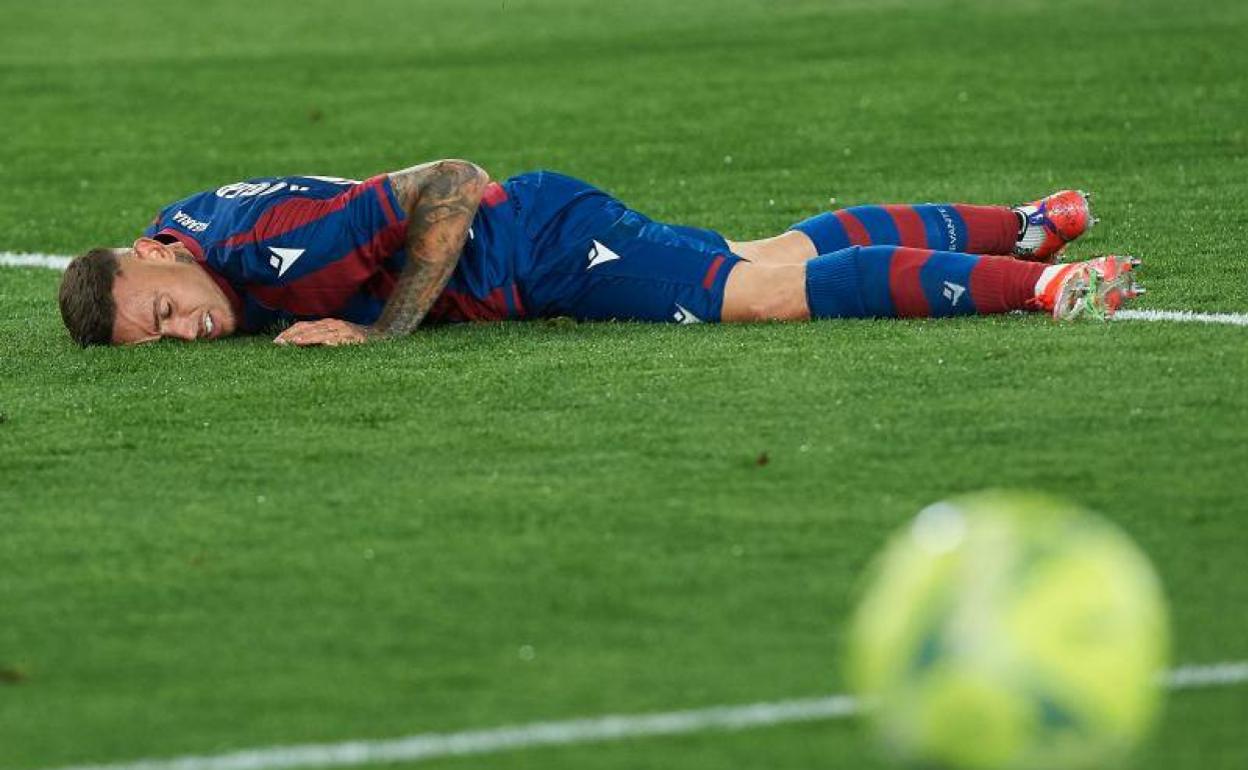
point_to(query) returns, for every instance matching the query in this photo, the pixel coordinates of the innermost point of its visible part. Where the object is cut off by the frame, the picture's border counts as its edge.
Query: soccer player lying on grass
(337, 261)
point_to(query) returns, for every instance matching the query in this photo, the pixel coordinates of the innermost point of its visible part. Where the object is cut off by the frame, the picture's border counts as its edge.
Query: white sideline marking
(416, 748)
(1183, 316)
(13, 259)
(58, 262)
(1212, 675)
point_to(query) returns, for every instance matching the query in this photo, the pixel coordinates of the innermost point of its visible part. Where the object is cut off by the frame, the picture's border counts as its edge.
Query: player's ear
(153, 251)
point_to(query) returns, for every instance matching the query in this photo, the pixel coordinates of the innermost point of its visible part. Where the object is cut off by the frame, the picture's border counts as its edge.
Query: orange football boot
(1093, 289)
(1051, 223)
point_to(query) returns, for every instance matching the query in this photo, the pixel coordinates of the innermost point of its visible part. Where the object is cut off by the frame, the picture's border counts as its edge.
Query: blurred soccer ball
(1010, 631)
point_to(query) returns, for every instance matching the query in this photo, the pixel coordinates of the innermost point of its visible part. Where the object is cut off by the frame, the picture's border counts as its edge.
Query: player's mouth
(208, 326)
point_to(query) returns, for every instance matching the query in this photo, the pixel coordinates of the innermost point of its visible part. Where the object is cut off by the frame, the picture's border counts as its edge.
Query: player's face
(161, 293)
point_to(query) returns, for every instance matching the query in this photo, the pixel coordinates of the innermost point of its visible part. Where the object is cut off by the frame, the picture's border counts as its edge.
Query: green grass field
(214, 547)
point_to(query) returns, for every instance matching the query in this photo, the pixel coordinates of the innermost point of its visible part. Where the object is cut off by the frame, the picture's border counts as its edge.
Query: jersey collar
(188, 241)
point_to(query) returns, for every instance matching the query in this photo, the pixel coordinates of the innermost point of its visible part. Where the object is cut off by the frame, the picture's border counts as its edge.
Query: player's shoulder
(247, 198)
(268, 187)
(262, 188)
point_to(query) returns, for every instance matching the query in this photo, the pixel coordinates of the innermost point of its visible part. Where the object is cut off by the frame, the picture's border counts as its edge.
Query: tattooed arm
(440, 199)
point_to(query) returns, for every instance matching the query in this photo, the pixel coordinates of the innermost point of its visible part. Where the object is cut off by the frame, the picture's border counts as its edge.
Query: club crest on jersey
(281, 259)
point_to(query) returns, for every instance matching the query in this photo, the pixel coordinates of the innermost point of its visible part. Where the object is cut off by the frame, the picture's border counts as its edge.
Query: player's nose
(185, 328)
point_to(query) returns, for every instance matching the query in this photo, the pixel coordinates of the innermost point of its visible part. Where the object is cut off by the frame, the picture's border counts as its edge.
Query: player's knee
(778, 306)
(767, 294)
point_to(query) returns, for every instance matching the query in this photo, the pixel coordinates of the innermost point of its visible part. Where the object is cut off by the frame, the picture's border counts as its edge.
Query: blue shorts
(592, 258)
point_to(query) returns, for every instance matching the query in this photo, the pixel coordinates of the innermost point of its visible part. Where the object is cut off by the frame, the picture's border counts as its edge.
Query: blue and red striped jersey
(306, 247)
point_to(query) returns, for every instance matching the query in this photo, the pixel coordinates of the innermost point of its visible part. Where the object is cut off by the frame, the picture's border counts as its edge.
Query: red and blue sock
(899, 282)
(945, 226)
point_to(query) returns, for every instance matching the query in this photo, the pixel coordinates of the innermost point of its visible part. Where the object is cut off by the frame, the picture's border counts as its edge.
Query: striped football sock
(944, 226)
(899, 282)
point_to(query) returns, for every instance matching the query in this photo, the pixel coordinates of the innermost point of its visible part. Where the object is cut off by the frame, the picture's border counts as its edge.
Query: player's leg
(611, 262)
(1038, 230)
(947, 226)
(789, 248)
(627, 267)
(899, 282)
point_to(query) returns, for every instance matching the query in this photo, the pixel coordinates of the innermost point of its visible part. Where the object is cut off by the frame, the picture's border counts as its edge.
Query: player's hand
(327, 331)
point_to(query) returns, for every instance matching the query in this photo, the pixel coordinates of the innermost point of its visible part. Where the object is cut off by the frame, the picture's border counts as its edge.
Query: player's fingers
(321, 331)
(327, 331)
(307, 340)
(341, 336)
(296, 334)
(348, 335)
(333, 334)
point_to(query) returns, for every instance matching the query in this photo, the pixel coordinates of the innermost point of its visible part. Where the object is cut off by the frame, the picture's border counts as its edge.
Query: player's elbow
(452, 179)
(462, 171)
(439, 181)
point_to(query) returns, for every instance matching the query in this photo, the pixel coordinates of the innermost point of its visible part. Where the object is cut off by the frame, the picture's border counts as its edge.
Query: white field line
(426, 746)
(1211, 675)
(13, 259)
(58, 262)
(1183, 316)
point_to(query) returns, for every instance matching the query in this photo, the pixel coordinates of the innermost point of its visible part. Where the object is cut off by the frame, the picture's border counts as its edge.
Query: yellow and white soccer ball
(1009, 631)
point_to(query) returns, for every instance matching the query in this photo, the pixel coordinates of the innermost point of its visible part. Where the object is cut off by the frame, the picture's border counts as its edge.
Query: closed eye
(161, 310)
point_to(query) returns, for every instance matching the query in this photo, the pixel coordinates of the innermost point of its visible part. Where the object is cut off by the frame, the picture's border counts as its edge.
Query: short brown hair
(86, 297)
